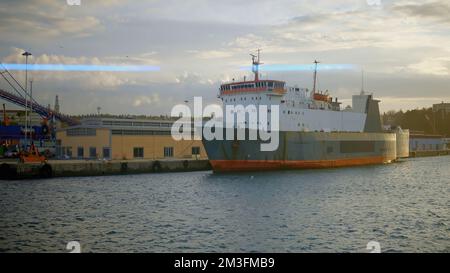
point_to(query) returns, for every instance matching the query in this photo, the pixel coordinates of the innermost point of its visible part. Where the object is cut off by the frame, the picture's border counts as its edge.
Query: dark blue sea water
(404, 206)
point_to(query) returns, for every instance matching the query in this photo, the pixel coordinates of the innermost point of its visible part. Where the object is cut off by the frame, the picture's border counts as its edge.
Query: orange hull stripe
(259, 165)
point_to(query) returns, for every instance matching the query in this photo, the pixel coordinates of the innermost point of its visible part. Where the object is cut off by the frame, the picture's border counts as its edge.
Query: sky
(402, 46)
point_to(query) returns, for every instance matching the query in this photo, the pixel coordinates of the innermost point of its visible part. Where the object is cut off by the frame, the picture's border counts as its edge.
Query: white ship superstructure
(300, 109)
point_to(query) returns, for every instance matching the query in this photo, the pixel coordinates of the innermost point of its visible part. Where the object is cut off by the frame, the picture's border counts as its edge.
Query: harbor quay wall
(66, 168)
(429, 153)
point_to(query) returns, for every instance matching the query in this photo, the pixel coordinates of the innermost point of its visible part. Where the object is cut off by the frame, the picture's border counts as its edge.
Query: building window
(81, 132)
(59, 151)
(93, 152)
(195, 150)
(69, 151)
(138, 152)
(80, 152)
(107, 152)
(168, 151)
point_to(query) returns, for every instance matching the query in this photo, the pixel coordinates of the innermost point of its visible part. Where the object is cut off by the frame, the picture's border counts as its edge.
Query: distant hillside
(419, 120)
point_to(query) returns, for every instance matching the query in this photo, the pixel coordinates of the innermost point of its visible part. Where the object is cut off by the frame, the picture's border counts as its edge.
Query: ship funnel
(366, 104)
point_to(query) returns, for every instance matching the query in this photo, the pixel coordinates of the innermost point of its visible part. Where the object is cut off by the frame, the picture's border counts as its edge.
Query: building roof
(123, 124)
(441, 106)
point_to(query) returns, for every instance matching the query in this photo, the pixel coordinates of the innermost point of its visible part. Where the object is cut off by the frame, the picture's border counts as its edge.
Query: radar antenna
(255, 64)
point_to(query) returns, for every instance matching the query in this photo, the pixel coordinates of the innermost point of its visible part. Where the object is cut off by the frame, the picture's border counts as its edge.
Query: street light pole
(30, 116)
(26, 54)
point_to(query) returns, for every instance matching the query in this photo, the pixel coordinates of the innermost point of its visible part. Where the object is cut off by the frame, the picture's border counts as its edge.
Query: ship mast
(255, 65)
(315, 76)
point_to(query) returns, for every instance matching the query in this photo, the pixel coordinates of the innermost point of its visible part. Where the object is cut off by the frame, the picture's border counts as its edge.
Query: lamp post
(31, 105)
(26, 54)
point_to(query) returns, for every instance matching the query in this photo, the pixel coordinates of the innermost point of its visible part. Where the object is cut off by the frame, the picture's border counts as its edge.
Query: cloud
(189, 78)
(146, 100)
(200, 43)
(214, 54)
(43, 19)
(86, 79)
(395, 103)
(438, 11)
(433, 66)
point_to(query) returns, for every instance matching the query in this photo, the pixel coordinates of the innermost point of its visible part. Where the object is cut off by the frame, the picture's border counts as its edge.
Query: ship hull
(303, 150)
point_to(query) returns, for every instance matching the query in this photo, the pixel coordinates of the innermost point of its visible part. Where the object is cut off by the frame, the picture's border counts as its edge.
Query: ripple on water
(403, 206)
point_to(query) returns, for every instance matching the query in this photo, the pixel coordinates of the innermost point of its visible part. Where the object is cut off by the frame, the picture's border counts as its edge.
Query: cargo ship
(314, 132)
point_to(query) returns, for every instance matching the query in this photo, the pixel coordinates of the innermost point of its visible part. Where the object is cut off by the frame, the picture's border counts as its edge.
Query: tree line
(425, 120)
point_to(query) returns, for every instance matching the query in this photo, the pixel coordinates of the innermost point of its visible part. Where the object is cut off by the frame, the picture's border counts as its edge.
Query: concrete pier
(63, 168)
(428, 153)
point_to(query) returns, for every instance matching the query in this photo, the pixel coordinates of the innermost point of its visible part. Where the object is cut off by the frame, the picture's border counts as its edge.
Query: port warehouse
(124, 139)
(419, 141)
